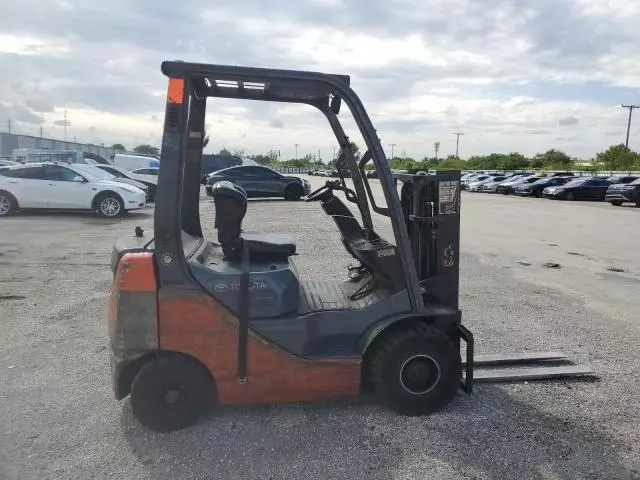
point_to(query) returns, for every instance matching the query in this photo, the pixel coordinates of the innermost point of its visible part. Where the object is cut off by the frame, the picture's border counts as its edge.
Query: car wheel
(638, 203)
(416, 371)
(293, 192)
(109, 205)
(8, 204)
(152, 194)
(171, 393)
(616, 203)
(570, 196)
(537, 193)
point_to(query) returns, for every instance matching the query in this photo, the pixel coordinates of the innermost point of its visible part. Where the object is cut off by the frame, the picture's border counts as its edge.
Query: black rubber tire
(537, 193)
(638, 203)
(570, 196)
(6, 197)
(293, 193)
(192, 382)
(152, 194)
(108, 196)
(616, 203)
(399, 348)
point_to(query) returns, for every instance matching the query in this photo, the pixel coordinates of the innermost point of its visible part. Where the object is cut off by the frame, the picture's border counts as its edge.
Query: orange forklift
(194, 323)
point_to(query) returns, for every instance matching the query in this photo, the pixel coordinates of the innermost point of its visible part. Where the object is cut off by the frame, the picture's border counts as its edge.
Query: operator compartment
(273, 280)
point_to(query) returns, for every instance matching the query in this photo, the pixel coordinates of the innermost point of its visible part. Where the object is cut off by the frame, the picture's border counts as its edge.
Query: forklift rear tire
(293, 192)
(171, 393)
(416, 371)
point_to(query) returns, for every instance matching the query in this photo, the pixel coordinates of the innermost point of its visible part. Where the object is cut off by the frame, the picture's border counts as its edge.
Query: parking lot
(58, 417)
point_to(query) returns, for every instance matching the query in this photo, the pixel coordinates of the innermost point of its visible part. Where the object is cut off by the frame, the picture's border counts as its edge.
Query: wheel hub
(110, 207)
(419, 374)
(172, 396)
(4, 205)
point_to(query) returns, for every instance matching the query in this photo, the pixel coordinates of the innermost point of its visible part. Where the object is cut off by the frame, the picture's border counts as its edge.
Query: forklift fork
(515, 367)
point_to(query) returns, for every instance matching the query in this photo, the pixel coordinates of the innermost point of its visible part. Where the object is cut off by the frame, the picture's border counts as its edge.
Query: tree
(514, 161)
(224, 152)
(147, 150)
(452, 163)
(355, 149)
(118, 146)
(555, 159)
(618, 157)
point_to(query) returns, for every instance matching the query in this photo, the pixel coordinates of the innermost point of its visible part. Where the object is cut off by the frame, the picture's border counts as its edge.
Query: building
(11, 141)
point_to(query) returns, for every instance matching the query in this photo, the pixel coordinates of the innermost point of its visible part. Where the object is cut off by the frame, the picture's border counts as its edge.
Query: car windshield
(576, 182)
(97, 173)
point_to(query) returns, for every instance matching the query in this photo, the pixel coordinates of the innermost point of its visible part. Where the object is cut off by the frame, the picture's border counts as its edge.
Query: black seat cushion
(263, 245)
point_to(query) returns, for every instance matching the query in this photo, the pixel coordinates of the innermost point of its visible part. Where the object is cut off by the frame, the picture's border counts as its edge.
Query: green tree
(514, 161)
(224, 152)
(452, 163)
(118, 146)
(555, 159)
(147, 150)
(618, 157)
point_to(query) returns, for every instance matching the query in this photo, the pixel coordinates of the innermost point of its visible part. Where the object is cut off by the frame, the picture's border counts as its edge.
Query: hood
(129, 181)
(290, 177)
(147, 178)
(115, 184)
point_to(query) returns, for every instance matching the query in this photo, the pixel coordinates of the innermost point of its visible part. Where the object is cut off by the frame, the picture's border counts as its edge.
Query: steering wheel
(315, 195)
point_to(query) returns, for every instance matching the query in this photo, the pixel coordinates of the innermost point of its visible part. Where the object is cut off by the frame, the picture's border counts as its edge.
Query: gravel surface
(58, 417)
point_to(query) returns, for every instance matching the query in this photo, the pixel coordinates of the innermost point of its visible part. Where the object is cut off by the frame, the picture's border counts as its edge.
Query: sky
(512, 75)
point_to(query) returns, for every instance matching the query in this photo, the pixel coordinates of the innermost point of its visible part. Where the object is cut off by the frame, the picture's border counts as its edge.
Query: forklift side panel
(132, 313)
(273, 375)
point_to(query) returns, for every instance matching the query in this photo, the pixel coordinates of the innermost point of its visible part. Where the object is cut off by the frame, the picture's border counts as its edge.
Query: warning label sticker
(448, 197)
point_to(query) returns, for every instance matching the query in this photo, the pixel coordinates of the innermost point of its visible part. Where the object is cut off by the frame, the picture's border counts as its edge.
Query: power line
(630, 107)
(458, 134)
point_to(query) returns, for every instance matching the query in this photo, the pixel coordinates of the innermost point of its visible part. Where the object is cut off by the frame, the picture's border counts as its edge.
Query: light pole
(436, 147)
(630, 107)
(458, 134)
(296, 151)
(393, 145)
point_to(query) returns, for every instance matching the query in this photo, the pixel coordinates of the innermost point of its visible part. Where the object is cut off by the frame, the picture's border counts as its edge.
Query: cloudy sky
(513, 75)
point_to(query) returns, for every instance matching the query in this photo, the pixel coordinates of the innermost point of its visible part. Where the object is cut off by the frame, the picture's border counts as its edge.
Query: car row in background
(64, 186)
(616, 189)
(258, 181)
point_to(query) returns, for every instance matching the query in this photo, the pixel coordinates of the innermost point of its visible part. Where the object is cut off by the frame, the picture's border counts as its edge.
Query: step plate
(533, 373)
(516, 358)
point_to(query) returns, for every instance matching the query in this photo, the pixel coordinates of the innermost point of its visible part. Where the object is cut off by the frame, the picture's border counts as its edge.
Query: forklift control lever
(332, 185)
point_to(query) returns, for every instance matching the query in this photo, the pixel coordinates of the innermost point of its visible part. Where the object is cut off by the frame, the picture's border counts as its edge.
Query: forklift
(195, 323)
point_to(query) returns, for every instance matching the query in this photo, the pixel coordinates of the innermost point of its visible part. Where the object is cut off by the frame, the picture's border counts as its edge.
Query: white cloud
(495, 69)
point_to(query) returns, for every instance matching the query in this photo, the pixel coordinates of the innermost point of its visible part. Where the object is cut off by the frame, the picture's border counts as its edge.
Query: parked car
(478, 184)
(619, 193)
(129, 162)
(581, 188)
(7, 163)
(149, 181)
(616, 179)
(559, 174)
(507, 187)
(491, 186)
(535, 189)
(64, 187)
(260, 181)
(103, 174)
(147, 171)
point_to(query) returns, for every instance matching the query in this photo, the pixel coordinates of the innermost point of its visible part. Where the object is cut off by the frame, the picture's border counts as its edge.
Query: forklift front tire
(171, 393)
(416, 371)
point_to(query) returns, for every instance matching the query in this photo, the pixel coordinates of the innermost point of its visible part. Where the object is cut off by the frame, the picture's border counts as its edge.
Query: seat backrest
(231, 206)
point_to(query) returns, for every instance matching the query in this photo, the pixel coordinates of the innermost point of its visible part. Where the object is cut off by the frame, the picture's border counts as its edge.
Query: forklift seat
(231, 206)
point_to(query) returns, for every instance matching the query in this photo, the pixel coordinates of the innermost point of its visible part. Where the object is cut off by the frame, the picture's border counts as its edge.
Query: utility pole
(392, 145)
(436, 147)
(296, 151)
(65, 125)
(334, 152)
(9, 125)
(630, 107)
(458, 134)
(319, 155)
(41, 131)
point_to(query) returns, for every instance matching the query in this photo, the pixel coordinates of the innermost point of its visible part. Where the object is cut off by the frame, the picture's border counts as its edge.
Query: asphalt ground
(59, 420)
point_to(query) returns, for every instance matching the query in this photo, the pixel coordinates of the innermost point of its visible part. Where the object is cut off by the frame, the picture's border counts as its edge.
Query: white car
(61, 186)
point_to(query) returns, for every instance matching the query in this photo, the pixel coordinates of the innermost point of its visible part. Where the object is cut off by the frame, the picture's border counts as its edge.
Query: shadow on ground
(487, 435)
